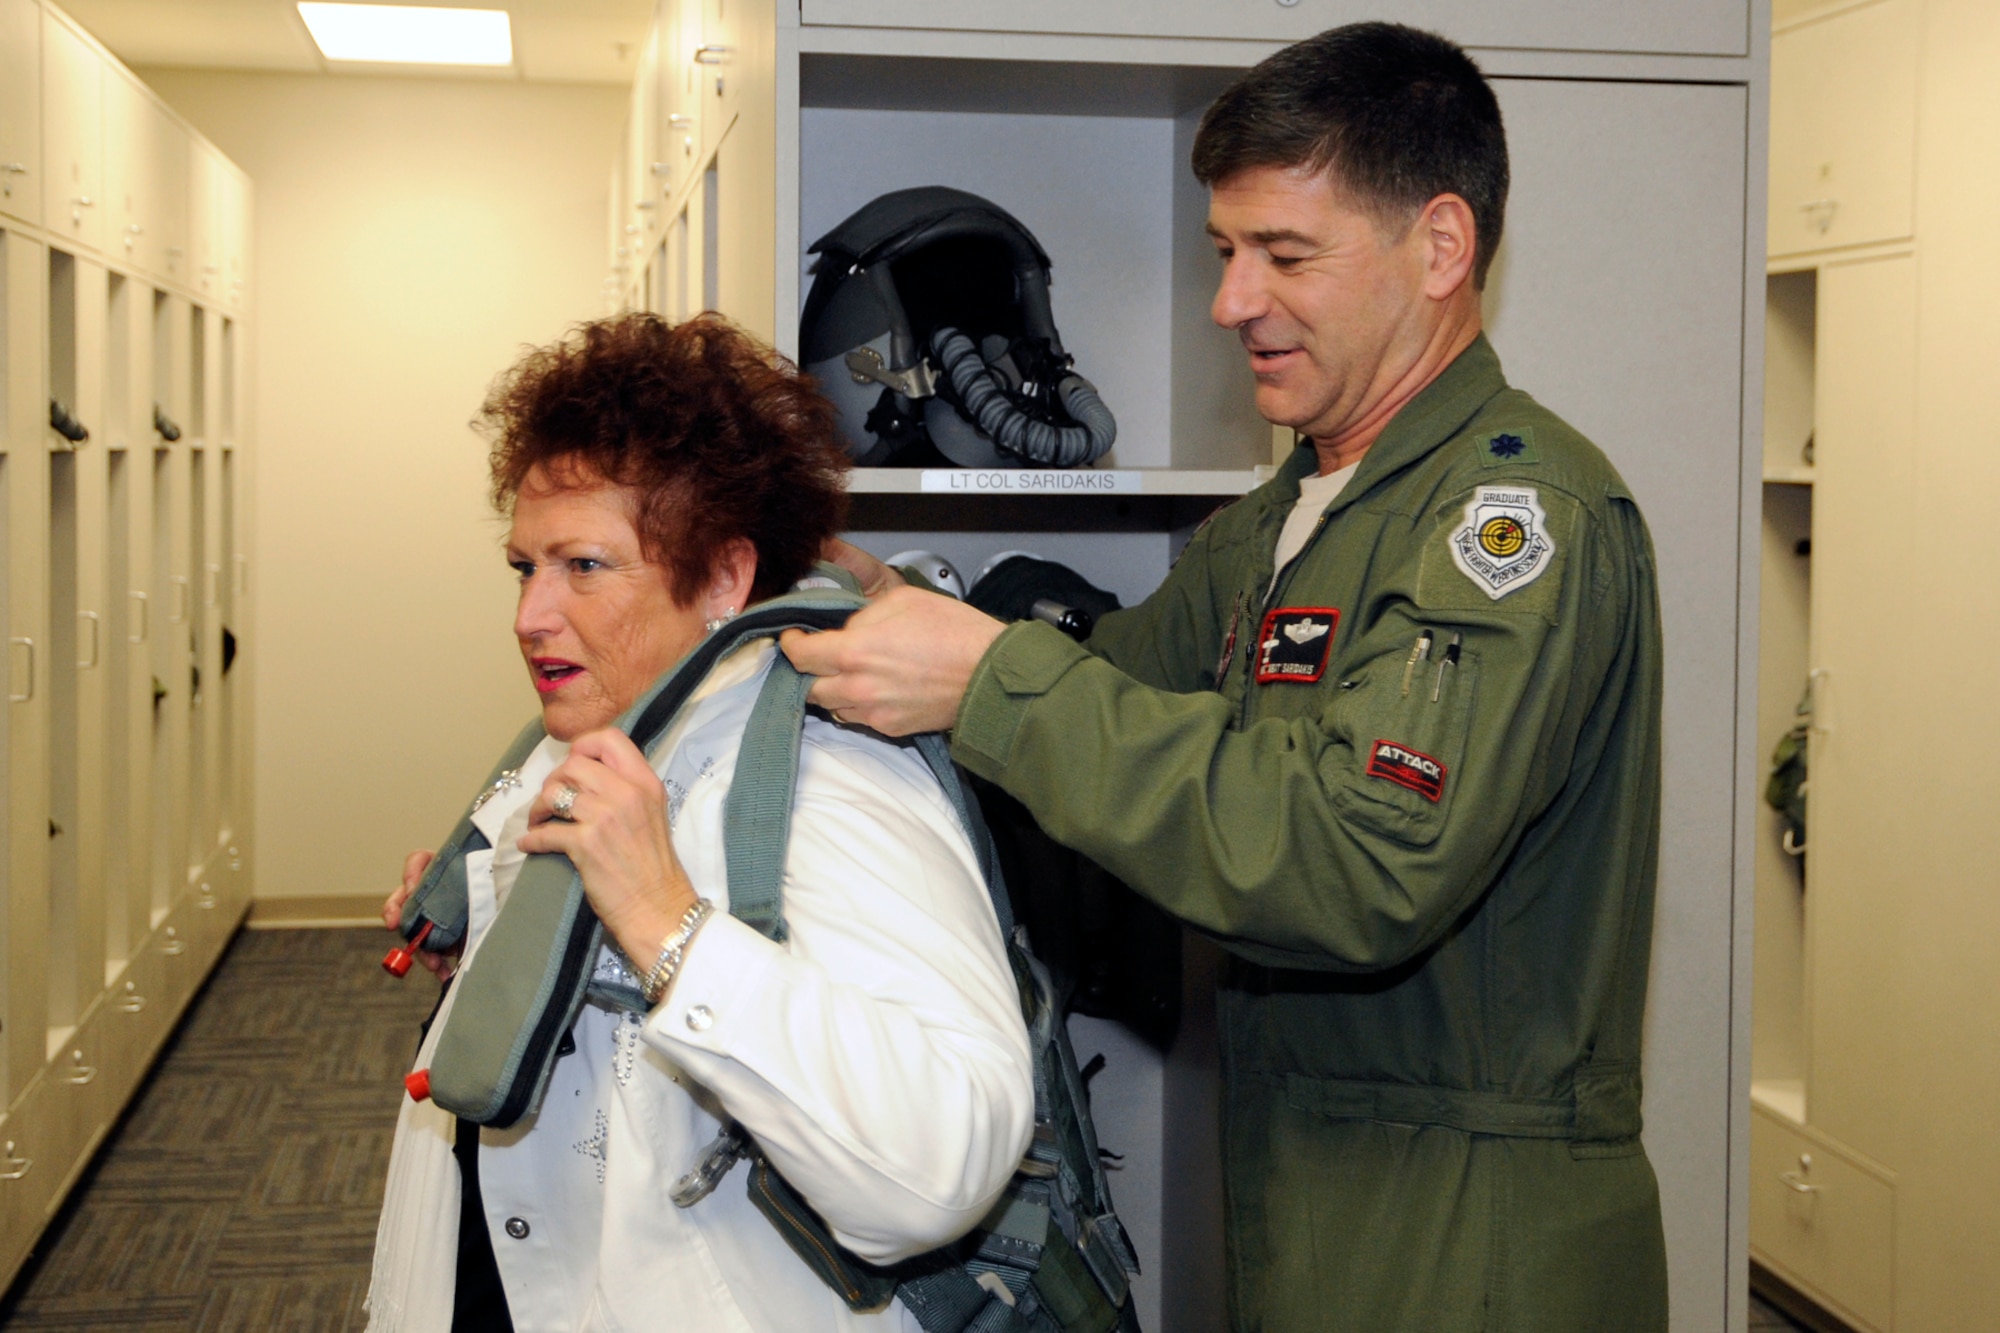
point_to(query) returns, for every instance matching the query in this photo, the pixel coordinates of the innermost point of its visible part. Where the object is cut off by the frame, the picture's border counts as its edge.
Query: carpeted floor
(240, 1191)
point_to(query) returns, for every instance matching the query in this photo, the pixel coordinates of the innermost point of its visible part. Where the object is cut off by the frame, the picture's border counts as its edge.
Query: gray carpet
(241, 1189)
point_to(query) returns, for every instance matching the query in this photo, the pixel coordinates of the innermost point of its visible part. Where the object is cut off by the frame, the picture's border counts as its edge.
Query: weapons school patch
(1407, 768)
(1295, 644)
(1505, 542)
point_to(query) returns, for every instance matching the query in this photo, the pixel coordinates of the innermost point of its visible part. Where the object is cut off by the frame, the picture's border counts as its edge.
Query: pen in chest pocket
(1448, 659)
(1418, 653)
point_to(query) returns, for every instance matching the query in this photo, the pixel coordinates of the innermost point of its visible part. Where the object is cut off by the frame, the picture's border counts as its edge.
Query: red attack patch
(1295, 644)
(1407, 768)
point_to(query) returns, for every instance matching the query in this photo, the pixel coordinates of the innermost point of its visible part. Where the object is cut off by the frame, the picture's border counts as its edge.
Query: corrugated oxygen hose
(1013, 429)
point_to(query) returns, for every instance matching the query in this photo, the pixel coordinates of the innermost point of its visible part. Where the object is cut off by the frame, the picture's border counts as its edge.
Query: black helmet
(928, 326)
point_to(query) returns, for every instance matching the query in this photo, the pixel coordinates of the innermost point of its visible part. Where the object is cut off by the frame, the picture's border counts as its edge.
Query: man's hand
(902, 664)
(874, 577)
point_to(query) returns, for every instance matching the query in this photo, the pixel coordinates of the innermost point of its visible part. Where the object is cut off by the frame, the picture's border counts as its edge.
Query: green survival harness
(1050, 1257)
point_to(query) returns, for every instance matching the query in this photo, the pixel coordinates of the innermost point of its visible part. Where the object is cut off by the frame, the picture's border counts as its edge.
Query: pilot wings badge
(1505, 542)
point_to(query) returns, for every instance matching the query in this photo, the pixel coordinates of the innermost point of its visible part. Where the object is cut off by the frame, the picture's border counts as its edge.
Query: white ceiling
(559, 41)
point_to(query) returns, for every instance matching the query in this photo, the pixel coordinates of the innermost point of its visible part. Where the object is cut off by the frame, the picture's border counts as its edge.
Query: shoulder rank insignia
(1505, 542)
(1506, 448)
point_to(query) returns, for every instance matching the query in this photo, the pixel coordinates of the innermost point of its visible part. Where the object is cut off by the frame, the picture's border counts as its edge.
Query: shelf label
(1030, 481)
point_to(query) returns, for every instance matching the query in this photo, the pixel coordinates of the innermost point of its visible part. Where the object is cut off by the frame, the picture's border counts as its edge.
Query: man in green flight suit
(1389, 732)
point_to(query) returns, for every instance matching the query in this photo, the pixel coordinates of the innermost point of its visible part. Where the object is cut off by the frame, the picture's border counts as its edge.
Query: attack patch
(1407, 768)
(1295, 644)
(1505, 542)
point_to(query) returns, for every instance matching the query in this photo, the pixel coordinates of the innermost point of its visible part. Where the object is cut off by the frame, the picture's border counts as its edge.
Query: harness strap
(757, 814)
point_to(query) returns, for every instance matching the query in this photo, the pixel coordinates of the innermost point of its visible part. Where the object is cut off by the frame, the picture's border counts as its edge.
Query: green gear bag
(1050, 1257)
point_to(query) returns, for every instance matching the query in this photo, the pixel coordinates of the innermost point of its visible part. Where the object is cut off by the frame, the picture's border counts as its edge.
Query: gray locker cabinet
(121, 829)
(1634, 231)
(1691, 27)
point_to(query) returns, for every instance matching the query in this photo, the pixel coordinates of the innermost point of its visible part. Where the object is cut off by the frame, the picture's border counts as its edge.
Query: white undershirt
(1315, 494)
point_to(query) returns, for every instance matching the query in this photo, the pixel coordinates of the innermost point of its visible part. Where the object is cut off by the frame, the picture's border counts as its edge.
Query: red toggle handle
(419, 1085)
(397, 962)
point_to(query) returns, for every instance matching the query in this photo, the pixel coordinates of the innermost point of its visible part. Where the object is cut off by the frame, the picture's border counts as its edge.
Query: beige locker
(72, 135)
(206, 170)
(24, 269)
(233, 218)
(1862, 502)
(744, 176)
(21, 110)
(1843, 128)
(146, 180)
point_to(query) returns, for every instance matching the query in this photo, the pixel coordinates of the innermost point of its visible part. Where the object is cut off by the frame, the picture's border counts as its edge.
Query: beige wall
(411, 235)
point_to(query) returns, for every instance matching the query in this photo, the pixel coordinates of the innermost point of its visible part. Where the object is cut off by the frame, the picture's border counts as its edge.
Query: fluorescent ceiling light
(410, 34)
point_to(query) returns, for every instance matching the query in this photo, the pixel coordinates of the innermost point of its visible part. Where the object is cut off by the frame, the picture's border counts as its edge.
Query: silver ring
(565, 802)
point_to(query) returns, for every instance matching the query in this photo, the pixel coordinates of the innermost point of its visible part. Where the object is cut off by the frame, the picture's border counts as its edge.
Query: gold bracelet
(661, 975)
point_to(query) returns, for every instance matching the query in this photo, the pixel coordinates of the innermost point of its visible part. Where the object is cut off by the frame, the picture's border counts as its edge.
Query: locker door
(73, 135)
(21, 109)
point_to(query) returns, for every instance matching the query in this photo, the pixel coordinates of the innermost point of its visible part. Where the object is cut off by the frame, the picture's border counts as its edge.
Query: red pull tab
(419, 1085)
(397, 961)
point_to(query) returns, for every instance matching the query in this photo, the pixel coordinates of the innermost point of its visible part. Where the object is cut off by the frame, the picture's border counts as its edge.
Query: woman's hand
(616, 834)
(414, 865)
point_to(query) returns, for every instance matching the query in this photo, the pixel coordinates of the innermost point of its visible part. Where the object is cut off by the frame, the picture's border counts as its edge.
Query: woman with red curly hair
(658, 479)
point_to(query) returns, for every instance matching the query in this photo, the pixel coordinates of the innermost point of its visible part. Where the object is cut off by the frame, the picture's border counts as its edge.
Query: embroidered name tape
(1295, 644)
(1505, 542)
(1407, 768)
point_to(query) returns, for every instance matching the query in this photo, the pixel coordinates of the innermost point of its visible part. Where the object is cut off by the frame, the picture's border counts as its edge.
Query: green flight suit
(1435, 877)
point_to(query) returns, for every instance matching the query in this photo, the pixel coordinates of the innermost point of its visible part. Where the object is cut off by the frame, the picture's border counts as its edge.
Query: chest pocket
(1407, 716)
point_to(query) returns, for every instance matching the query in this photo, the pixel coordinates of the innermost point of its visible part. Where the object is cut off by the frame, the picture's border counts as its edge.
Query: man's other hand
(902, 664)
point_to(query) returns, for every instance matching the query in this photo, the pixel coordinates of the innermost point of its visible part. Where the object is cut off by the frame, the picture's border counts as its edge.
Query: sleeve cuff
(712, 994)
(1023, 664)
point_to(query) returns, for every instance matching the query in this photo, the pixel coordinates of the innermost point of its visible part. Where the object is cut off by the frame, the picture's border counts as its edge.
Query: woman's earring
(728, 614)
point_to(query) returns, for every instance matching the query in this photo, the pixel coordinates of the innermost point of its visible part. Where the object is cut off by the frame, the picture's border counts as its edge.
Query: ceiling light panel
(409, 34)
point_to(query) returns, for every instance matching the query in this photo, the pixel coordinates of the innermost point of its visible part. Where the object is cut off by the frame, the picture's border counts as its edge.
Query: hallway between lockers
(240, 1190)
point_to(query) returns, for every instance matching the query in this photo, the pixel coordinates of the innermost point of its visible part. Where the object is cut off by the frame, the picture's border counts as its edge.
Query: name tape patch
(1505, 542)
(1295, 644)
(1407, 768)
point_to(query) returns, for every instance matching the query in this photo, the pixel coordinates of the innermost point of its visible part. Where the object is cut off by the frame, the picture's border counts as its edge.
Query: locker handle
(96, 632)
(182, 596)
(144, 617)
(212, 590)
(131, 1002)
(1817, 681)
(16, 1166)
(710, 54)
(242, 567)
(1797, 1186)
(175, 945)
(28, 693)
(79, 1073)
(65, 423)
(680, 122)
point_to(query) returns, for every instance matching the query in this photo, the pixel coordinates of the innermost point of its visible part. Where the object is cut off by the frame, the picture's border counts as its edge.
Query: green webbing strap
(441, 896)
(757, 813)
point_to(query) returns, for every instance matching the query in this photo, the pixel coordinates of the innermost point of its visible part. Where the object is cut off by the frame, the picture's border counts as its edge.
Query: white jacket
(877, 1056)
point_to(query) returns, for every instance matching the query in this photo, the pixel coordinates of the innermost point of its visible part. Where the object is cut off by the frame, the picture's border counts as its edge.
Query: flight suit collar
(1440, 409)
